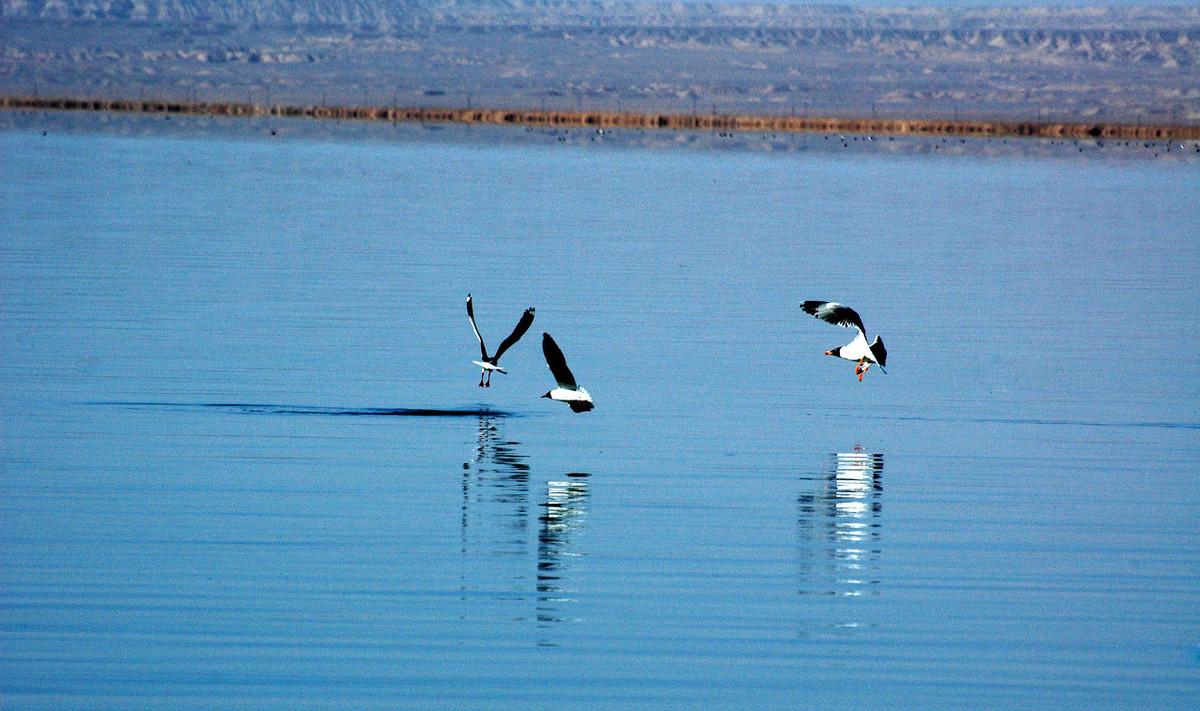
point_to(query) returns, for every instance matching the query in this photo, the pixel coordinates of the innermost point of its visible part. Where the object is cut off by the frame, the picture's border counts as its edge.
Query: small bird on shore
(862, 353)
(491, 363)
(567, 391)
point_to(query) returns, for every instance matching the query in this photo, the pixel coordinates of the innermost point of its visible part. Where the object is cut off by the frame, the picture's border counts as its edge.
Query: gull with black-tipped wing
(568, 390)
(492, 363)
(858, 350)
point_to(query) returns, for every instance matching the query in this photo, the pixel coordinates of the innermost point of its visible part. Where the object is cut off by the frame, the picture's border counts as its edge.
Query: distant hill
(1115, 62)
(601, 14)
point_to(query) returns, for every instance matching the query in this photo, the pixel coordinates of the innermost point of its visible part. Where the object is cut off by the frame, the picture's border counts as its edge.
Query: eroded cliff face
(596, 13)
(1128, 64)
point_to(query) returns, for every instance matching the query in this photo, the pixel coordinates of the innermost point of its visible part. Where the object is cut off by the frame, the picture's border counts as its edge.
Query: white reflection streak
(841, 521)
(565, 512)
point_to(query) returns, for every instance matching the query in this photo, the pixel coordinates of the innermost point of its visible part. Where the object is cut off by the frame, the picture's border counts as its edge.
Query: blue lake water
(245, 461)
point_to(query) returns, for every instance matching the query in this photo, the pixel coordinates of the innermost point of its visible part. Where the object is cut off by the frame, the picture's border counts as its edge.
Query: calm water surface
(245, 463)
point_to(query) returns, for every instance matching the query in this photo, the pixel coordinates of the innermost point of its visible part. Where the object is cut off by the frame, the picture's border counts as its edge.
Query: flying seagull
(567, 391)
(858, 350)
(493, 362)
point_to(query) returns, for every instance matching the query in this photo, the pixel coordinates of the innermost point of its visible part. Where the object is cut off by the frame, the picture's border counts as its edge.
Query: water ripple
(1038, 421)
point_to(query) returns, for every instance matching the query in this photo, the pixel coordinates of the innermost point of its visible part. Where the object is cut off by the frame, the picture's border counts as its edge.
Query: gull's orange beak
(828, 352)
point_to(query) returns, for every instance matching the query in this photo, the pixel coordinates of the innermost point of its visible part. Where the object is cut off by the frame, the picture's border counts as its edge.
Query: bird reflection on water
(495, 493)
(839, 526)
(564, 515)
(496, 532)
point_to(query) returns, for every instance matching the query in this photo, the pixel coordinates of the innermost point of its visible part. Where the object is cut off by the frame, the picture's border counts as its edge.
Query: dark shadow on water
(839, 527)
(269, 409)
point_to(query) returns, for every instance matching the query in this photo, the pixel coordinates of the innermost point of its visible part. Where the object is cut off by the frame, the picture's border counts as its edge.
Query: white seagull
(858, 350)
(567, 391)
(488, 364)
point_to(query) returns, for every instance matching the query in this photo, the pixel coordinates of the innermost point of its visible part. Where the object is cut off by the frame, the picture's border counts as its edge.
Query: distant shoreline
(609, 119)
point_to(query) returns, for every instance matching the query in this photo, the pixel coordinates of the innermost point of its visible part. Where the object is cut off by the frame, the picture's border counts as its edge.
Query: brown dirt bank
(603, 119)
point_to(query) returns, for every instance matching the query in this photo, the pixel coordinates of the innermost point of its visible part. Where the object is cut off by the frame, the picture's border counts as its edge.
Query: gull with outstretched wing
(492, 363)
(862, 353)
(568, 390)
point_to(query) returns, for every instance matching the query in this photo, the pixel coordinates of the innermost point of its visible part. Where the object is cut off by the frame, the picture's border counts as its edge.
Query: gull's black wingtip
(879, 351)
(810, 307)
